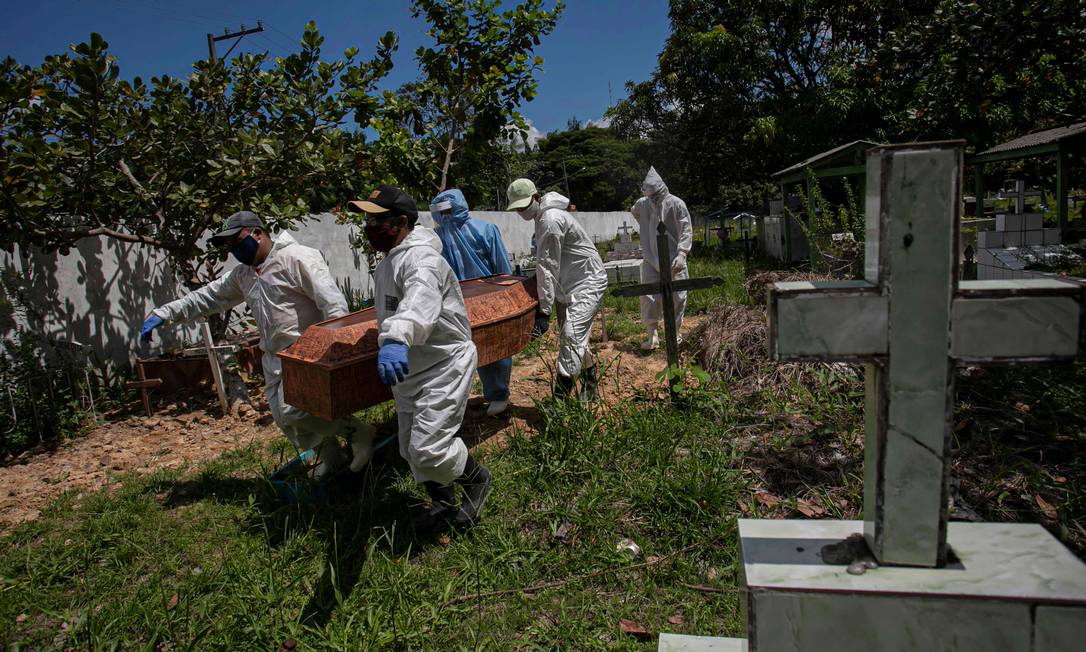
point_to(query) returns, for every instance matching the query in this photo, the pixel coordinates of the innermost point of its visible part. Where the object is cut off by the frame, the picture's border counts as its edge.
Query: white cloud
(513, 136)
(604, 122)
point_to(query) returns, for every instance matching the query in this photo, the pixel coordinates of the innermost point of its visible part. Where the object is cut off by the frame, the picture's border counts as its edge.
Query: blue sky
(596, 41)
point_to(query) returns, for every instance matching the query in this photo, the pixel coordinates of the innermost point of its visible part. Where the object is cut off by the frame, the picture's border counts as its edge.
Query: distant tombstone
(625, 248)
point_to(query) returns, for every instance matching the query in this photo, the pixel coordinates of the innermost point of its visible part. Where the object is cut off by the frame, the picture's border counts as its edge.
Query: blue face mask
(245, 250)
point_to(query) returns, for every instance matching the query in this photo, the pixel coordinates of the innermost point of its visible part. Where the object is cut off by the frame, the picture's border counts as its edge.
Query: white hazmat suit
(291, 290)
(660, 206)
(419, 303)
(569, 270)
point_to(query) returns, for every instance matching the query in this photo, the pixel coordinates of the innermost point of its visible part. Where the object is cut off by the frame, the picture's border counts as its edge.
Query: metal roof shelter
(1059, 142)
(842, 161)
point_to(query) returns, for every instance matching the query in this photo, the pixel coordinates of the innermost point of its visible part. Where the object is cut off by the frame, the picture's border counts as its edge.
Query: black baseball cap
(387, 199)
(234, 224)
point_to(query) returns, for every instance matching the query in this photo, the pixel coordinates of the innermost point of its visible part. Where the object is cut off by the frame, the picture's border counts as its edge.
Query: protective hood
(654, 182)
(553, 200)
(420, 236)
(460, 214)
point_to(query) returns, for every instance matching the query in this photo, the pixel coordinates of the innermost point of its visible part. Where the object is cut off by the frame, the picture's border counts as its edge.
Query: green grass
(101, 572)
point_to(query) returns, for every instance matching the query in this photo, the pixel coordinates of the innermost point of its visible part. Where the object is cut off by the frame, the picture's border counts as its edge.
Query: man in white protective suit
(287, 287)
(658, 205)
(568, 270)
(426, 355)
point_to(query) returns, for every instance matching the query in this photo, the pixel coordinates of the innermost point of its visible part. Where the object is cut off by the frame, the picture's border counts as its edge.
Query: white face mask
(530, 212)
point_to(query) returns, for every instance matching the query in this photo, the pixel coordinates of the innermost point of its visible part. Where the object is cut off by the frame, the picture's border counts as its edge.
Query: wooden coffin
(331, 371)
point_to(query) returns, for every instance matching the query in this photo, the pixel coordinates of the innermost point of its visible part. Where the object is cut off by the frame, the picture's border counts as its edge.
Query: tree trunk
(449, 149)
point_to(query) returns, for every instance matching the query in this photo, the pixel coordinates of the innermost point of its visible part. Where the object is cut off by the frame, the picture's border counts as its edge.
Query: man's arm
(548, 262)
(420, 306)
(686, 229)
(316, 282)
(217, 296)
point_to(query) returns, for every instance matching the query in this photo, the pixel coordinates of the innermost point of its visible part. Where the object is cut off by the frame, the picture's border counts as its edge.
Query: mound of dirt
(731, 344)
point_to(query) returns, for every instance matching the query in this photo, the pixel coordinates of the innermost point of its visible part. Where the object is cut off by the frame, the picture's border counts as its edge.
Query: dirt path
(181, 435)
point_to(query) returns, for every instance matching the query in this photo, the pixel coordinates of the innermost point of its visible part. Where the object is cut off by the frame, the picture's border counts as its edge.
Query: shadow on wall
(97, 295)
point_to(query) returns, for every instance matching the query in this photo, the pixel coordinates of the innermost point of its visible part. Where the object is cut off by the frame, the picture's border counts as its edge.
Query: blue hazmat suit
(473, 248)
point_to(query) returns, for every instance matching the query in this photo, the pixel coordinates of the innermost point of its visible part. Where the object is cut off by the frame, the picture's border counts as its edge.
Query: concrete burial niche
(905, 578)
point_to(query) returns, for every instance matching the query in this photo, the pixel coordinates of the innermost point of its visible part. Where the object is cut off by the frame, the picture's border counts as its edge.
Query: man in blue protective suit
(474, 248)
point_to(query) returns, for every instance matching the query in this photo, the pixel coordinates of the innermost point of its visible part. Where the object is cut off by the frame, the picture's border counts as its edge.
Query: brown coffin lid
(352, 338)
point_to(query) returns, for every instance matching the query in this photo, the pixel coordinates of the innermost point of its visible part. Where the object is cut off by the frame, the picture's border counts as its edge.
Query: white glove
(679, 263)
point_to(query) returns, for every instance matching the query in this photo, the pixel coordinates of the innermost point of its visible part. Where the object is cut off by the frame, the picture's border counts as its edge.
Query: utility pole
(226, 35)
(566, 177)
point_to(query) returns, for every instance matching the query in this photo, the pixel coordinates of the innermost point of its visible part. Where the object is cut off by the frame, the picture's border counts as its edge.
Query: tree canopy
(744, 88)
(84, 153)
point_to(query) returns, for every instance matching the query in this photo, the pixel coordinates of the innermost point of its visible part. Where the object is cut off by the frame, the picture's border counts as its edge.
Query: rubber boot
(590, 383)
(361, 439)
(442, 506)
(563, 386)
(652, 341)
(331, 459)
(496, 408)
(476, 485)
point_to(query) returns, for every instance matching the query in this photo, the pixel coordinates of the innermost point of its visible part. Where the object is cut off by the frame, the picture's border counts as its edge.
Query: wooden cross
(667, 288)
(911, 321)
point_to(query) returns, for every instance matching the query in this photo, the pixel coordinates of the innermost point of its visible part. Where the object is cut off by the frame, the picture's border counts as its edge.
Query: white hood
(420, 236)
(654, 182)
(553, 200)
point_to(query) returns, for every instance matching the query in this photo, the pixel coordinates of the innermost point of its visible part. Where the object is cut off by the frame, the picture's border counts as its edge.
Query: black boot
(442, 507)
(476, 485)
(590, 383)
(563, 386)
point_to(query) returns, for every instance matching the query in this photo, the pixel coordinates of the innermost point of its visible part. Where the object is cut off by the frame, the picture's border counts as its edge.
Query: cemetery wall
(99, 293)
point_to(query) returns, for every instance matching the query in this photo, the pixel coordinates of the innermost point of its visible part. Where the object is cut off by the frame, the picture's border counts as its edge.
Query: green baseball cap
(520, 194)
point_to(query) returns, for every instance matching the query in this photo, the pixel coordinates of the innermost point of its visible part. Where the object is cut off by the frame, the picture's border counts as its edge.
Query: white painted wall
(99, 293)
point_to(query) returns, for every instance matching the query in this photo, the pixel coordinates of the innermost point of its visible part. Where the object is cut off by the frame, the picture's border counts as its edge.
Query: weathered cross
(667, 288)
(911, 321)
(624, 230)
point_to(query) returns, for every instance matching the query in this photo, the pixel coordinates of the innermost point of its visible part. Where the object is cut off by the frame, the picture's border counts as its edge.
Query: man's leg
(650, 308)
(306, 431)
(495, 378)
(437, 411)
(573, 352)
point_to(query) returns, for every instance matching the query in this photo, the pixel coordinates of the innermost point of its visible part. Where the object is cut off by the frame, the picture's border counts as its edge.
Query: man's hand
(679, 263)
(542, 323)
(149, 324)
(392, 362)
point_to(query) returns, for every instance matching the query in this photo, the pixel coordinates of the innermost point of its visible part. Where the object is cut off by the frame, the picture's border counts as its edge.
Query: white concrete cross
(624, 233)
(911, 321)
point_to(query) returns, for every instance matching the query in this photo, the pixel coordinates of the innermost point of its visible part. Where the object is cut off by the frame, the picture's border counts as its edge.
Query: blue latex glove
(392, 362)
(150, 324)
(542, 323)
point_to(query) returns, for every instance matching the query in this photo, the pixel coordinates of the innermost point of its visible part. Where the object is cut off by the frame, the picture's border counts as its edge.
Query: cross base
(1009, 587)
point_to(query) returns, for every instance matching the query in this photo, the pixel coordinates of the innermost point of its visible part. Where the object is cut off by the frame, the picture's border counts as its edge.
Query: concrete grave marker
(910, 321)
(931, 585)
